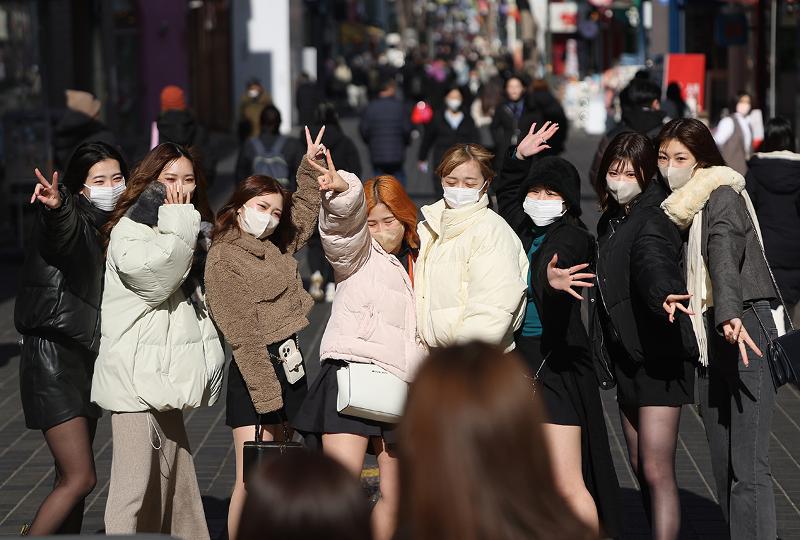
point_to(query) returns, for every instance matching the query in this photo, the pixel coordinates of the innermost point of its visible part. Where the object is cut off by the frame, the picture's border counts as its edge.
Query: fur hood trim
(682, 205)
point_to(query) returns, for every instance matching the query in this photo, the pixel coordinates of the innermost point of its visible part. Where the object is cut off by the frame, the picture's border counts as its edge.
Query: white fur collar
(779, 154)
(682, 205)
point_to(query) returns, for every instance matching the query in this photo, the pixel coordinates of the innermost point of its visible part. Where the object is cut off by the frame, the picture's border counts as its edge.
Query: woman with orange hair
(369, 236)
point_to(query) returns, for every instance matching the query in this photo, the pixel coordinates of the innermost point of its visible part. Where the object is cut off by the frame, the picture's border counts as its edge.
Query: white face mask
(677, 177)
(623, 192)
(453, 104)
(460, 197)
(254, 93)
(259, 224)
(105, 198)
(543, 212)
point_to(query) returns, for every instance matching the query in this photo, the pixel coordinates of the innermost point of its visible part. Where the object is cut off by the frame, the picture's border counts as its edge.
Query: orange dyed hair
(389, 191)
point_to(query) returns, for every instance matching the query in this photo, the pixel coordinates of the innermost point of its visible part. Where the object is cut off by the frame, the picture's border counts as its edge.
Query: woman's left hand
(673, 302)
(564, 279)
(330, 180)
(314, 148)
(735, 332)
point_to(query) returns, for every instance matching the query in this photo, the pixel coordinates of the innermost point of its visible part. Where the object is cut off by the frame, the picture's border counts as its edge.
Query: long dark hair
(695, 136)
(778, 135)
(472, 436)
(84, 158)
(147, 172)
(302, 495)
(255, 186)
(631, 147)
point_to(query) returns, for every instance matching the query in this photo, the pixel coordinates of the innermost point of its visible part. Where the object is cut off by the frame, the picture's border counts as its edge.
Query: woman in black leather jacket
(58, 314)
(541, 202)
(641, 289)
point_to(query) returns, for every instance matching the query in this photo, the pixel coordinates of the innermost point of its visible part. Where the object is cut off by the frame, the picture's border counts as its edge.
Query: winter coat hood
(778, 172)
(642, 120)
(559, 175)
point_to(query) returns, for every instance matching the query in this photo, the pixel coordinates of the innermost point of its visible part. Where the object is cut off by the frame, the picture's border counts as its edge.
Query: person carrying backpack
(271, 154)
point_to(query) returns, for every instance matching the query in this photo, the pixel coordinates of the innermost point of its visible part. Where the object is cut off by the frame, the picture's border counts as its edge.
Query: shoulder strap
(769, 268)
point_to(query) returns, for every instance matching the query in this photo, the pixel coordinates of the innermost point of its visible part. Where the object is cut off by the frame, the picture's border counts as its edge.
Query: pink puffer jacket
(373, 318)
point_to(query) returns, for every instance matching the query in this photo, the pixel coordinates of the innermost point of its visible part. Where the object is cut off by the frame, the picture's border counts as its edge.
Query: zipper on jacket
(600, 279)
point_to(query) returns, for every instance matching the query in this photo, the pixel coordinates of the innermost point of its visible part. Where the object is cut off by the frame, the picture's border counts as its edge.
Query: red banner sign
(689, 71)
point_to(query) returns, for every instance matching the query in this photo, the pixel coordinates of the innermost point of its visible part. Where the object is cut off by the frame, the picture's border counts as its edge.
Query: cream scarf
(685, 208)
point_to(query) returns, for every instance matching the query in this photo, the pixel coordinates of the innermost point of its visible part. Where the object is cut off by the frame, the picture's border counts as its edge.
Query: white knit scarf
(685, 208)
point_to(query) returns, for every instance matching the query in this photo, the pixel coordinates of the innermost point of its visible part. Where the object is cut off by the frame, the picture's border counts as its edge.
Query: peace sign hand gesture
(673, 302)
(563, 279)
(315, 149)
(330, 180)
(47, 192)
(536, 141)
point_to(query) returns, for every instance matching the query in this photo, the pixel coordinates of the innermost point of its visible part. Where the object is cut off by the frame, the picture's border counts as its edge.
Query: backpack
(270, 162)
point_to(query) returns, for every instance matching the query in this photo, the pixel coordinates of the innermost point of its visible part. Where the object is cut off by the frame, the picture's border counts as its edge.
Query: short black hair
(642, 92)
(778, 135)
(270, 119)
(628, 147)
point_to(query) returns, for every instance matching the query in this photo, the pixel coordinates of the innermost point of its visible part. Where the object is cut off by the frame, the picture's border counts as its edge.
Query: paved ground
(26, 468)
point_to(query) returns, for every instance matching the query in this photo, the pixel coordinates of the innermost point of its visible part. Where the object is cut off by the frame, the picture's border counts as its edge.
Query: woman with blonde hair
(368, 233)
(471, 271)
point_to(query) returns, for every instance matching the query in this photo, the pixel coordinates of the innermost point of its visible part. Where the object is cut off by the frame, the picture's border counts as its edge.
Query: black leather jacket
(62, 280)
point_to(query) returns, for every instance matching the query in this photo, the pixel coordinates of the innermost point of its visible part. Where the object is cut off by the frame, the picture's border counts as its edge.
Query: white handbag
(369, 391)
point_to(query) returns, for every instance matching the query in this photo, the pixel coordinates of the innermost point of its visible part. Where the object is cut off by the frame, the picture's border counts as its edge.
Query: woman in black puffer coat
(58, 314)
(542, 204)
(639, 325)
(773, 183)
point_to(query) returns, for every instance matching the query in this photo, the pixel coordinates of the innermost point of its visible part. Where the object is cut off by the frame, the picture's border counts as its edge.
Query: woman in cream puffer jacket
(159, 351)
(368, 234)
(471, 273)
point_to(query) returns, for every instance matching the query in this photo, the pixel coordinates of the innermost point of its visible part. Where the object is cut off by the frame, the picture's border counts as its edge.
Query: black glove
(145, 209)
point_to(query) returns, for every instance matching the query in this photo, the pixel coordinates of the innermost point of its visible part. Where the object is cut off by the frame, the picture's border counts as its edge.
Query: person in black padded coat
(641, 323)
(58, 314)
(542, 204)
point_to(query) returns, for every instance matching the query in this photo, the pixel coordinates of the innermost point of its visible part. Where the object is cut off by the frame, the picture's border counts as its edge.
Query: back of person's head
(674, 92)
(473, 459)
(270, 120)
(778, 135)
(84, 158)
(304, 496)
(325, 114)
(387, 86)
(642, 93)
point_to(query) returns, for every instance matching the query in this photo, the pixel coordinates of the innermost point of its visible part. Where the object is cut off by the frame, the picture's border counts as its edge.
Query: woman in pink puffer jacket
(369, 236)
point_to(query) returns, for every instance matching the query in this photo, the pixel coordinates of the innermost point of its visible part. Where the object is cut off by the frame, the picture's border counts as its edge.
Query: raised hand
(315, 149)
(564, 279)
(46, 192)
(177, 194)
(330, 180)
(536, 141)
(735, 332)
(673, 302)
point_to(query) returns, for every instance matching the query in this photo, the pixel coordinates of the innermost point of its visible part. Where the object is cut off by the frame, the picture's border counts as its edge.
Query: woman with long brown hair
(369, 236)
(159, 352)
(474, 462)
(258, 301)
(731, 288)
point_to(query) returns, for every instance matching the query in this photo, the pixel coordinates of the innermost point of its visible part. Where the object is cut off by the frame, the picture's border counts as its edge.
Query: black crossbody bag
(783, 353)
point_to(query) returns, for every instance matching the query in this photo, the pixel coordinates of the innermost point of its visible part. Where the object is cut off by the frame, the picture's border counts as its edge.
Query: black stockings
(71, 445)
(652, 437)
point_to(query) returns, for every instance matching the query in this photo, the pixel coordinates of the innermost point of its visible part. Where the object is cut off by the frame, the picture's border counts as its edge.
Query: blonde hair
(464, 153)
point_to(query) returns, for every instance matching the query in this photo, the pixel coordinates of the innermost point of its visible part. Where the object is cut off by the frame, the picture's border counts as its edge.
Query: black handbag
(258, 452)
(783, 353)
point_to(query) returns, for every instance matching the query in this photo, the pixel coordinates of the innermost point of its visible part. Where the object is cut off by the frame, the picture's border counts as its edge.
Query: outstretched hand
(46, 192)
(314, 148)
(673, 303)
(330, 180)
(536, 141)
(564, 279)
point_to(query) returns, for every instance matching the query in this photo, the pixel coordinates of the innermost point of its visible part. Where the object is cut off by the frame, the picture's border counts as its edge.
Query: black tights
(71, 445)
(652, 437)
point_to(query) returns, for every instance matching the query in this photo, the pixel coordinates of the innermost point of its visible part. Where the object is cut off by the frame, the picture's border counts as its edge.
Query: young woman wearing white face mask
(471, 271)
(639, 320)
(541, 202)
(257, 299)
(369, 236)
(57, 312)
(734, 135)
(732, 289)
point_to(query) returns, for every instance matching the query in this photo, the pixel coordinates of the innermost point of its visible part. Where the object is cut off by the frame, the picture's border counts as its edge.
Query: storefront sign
(689, 71)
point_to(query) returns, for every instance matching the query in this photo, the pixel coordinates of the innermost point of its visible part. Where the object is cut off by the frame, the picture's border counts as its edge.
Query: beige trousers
(153, 483)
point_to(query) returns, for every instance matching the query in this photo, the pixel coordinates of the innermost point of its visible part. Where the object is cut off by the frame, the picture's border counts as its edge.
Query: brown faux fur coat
(255, 293)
